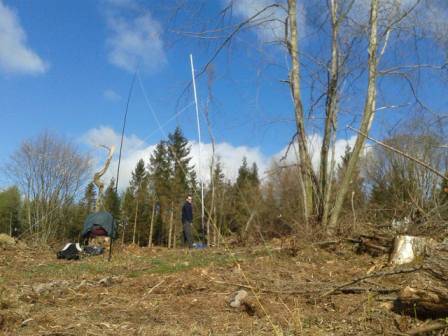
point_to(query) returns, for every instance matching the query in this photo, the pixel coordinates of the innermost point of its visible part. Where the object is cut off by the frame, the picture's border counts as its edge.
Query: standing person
(187, 221)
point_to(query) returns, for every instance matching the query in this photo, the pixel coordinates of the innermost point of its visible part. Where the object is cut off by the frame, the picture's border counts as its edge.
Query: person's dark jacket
(187, 213)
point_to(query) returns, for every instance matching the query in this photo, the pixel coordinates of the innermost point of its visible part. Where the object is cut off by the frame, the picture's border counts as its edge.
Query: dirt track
(179, 292)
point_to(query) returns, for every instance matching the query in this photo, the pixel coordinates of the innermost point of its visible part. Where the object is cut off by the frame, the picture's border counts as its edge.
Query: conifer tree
(245, 197)
(89, 199)
(139, 188)
(243, 174)
(10, 205)
(179, 154)
(216, 202)
(183, 178)
(160, 177)
(111, 200)
(171, 177)
(127, 213)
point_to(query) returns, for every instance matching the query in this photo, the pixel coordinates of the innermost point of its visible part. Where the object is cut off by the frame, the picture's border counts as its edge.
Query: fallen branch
(137, 302)
(327, 243)
(357, 290)
(154, 287)
(266, 290)
(428, 328)
(372, 275)
(424, 164)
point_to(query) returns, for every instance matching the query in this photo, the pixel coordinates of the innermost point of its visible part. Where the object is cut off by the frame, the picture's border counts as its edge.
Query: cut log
(426, 295)
(431, 301)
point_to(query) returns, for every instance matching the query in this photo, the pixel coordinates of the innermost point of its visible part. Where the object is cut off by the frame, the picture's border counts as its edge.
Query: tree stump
(407, 249)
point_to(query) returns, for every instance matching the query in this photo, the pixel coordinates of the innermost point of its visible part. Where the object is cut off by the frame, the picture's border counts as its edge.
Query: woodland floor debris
(181, 292)
(6, 240)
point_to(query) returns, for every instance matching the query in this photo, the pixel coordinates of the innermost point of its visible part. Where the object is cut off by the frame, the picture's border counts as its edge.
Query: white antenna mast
(200, 145)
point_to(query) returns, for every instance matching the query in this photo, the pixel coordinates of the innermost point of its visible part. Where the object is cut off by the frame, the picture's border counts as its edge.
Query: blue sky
(74, 79)
(66, 66)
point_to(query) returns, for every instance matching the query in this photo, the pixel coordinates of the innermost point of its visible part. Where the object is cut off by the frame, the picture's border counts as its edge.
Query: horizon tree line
(384, 186)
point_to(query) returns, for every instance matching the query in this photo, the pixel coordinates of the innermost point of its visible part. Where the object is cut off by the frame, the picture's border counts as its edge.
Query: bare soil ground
(187, 292)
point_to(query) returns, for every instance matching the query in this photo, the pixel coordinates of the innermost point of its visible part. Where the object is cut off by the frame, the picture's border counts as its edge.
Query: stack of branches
(427, 293)
(375, 244)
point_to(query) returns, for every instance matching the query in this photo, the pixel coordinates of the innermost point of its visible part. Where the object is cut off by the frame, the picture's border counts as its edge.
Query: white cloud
(269, 24)
(230, 157)
(361, 9)
(15, 55)
(135, 39)
(135, 149)
(314, 145)
(111, 95)
(429, 17)
(436, 21)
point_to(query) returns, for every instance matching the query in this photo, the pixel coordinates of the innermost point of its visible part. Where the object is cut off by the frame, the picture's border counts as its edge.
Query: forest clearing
(157, 291)
(227, 167)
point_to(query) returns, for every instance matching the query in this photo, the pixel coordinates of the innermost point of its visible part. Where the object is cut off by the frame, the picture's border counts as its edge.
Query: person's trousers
(188, 239)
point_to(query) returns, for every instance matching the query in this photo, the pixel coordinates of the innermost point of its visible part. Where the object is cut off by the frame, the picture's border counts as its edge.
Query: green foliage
(217, 202)
(10, 205)
(127, 213)
(89, 199)
(171, 177)
(74, 216)
(160, 176)
(399, 186)
(355, 196)
(49, 170)
(245, 203)
(182, 173)
(112, 200)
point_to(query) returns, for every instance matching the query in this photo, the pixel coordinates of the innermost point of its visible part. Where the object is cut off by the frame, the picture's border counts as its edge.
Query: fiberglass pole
(200, 145)
(119, 160)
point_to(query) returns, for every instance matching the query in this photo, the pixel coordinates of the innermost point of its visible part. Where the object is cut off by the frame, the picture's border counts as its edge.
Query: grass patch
(131, 265)
(127, 265)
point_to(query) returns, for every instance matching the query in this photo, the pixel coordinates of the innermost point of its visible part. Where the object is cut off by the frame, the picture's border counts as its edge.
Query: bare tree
(404, 186)
(352, 59)
(49, 171)
(97, 178)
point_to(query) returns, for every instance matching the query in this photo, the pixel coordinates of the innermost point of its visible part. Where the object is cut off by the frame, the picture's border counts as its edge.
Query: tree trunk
(368, 115)
(215, 226)
(330, 118)
(151, 225)
(97, 179)
(174, 240)
(170, 230)
(10, 224)
(306, 168)
(135, 222)
(124, 231)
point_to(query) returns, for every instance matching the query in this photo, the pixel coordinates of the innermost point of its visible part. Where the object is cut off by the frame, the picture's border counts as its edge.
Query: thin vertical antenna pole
(123, 128)
(200, 145)
(119, 159)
